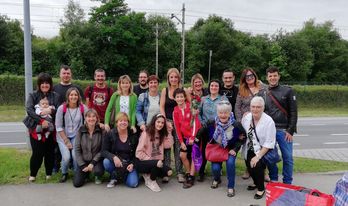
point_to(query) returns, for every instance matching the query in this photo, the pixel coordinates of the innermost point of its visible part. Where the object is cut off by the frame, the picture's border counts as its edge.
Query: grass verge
(14, 167)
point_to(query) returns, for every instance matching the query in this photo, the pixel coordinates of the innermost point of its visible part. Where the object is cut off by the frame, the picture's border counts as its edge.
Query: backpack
(82, 110)
(90, 91)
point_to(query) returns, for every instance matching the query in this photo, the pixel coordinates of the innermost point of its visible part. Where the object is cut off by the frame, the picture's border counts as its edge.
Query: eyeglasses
(249, 76)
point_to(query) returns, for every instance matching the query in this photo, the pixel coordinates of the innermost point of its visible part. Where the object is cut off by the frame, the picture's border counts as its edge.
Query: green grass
(16, 113)
(14, 167)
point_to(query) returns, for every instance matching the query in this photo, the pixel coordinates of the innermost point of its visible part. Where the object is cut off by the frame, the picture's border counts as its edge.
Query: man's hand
(288, 137)
(232, 152)
(107, 127)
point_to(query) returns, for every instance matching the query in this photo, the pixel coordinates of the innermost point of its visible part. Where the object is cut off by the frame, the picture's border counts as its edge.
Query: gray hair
(224, 106)
(258, 99)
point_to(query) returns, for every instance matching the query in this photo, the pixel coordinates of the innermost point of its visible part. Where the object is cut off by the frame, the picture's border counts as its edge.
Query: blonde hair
(120, 116)
(122, 78)
(89, 112)
(197, 76)
(176, 71)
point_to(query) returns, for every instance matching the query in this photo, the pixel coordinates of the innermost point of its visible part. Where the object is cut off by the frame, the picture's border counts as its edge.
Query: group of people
(131, 131)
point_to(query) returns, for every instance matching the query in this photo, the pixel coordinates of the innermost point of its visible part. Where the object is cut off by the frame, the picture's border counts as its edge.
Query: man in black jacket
(281, 105)
(229, 89)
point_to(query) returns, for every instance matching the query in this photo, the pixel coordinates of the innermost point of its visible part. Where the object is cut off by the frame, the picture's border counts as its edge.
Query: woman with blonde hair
(119, 146)
(167, 104)
(88, 145)
(123, 100)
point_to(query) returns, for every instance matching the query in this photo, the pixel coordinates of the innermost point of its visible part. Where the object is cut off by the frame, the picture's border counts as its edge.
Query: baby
(44, 104)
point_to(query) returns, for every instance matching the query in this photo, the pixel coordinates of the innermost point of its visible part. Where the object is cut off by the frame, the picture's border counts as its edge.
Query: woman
(42, 149)
(260, 138)
(69, 119)
(150, 152)
(88, 145)
(118, 149)
(197, 91)
(207, 112)
(148, 103)
(249, 87)
(124, 100)
(229, 134)
(167, 104)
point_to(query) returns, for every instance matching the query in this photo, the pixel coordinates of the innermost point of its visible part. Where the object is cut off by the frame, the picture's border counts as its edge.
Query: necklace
(72, 118)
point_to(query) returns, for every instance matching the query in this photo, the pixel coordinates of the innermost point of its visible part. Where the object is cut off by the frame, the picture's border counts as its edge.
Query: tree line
(122, 41)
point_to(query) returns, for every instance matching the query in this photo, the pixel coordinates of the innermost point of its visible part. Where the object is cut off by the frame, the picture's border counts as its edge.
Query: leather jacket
(287, 99)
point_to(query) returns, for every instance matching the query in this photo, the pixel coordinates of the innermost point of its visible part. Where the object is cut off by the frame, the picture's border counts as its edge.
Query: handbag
(280, 194)
(272, 155)
(216, 153)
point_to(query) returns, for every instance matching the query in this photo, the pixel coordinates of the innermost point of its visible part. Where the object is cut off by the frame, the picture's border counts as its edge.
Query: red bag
(216, 153)
(280, 194)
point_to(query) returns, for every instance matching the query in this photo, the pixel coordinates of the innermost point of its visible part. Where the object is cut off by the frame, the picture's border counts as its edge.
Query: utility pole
(182, 21)
(210, 54)
(27, 51)
(157, 49)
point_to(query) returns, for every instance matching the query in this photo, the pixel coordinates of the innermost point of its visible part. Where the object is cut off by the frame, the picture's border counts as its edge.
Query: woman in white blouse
(261, 133)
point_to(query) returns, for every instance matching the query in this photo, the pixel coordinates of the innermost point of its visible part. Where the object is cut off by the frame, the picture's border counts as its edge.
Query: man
(142, 86)
(281, 105)
(98, 95)
(229, 89)
(65, 75)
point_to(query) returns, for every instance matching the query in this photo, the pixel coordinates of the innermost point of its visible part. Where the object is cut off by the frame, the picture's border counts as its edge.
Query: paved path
(172, 193)
(339, 154)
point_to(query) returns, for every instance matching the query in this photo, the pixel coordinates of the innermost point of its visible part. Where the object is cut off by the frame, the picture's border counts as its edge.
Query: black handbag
(29, 122)
(272, 156)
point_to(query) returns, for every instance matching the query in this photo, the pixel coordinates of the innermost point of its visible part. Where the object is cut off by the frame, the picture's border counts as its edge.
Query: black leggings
(80, 176)
(42, 151)
(258, 172)
(203, 145)
(150, 166)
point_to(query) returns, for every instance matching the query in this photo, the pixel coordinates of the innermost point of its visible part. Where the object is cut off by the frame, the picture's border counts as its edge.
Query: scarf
(221, 128)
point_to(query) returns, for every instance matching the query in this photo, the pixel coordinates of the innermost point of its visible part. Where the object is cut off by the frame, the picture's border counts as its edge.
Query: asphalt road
(313, 133)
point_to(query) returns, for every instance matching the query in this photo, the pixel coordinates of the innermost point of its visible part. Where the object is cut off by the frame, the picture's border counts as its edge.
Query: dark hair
(144, 71)
(65, 67)
(179, 91)
(243, 86)
(151, 128)
(227, 70)
(152, 77)
(44, 78)
(216, 81)
(272, 69)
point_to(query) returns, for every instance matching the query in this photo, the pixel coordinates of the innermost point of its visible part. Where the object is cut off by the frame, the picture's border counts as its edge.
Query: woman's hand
(107, 127)
(46, 111)
(232, 152)
(44, 124)
(142, 127)
(117, 162)
(134, 129)
(183, 146)
(68, 144)
(102, 126)
(89, 168)
(160, 164)
(254, 161)
(130, 167)
(191, 141)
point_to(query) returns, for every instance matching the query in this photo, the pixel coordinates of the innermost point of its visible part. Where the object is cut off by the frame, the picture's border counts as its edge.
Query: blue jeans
(132, 178)
(67, 154)
(288, 162)
(230, 168)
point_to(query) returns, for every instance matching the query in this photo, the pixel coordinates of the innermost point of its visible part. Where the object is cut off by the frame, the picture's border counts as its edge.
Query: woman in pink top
(150, 152)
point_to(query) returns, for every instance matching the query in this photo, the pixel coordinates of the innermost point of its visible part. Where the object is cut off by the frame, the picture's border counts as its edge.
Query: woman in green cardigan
(123, 100)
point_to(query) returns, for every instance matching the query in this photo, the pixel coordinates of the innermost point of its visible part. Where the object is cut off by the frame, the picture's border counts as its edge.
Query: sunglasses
(249, 76)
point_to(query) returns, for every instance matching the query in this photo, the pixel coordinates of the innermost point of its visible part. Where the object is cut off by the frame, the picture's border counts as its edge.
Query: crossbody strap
(276, 102)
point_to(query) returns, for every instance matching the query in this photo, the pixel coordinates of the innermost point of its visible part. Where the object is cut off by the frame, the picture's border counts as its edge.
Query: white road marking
(335, 143)
(339, 134)
(12, 131)
(296, 144)
(8, 144)
(318, 124)
(301, 135)
(346, 123)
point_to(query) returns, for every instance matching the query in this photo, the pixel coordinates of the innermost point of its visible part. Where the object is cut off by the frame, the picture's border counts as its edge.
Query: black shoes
(256, 196)
(251, 187)
(63, 178)
(201, 178)
(189, 181)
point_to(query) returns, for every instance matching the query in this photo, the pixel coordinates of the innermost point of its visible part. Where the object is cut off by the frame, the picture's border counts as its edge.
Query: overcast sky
(255, 16)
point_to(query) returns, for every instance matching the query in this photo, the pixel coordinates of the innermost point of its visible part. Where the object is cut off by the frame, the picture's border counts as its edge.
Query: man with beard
(229, 89)
(65, 75)
(98, 95)
(142, 86)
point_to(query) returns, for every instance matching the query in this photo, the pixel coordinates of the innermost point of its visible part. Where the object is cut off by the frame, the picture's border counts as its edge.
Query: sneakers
(165, 179)
(152, 185)
(32, 179)
(112, 183)
(48, 177)
(181, 178)
(97, 180)
(64, 178)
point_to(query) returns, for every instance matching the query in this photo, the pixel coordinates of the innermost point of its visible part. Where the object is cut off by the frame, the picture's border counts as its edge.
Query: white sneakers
(151, 184)
(112, 183)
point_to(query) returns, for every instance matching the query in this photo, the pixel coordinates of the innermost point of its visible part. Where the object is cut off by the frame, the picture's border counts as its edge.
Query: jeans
(67, 154)
(288, 162)
(230, 168)
(131, 178)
